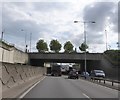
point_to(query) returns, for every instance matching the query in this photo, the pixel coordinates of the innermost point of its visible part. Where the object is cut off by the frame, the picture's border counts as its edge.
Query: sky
(54, 19)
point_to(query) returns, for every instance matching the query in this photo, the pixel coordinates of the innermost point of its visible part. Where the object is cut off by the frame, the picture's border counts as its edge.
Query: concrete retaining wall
(10, 54)
(20, 57)
(111, 70)
(15, 74)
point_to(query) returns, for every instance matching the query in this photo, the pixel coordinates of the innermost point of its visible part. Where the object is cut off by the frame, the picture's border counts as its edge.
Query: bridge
(93, 59)
(64, 57)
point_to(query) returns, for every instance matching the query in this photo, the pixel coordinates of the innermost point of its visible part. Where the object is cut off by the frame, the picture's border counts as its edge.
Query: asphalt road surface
(61, 87)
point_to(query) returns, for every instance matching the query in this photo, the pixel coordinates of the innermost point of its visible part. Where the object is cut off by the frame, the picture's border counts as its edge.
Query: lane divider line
(31, 88)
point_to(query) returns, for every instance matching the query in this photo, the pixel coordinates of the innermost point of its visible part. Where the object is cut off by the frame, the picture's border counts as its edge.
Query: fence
(108, 82)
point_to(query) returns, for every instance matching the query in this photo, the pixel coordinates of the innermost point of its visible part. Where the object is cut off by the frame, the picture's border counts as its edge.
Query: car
(84, 75)
(73, 74)
(97, 73)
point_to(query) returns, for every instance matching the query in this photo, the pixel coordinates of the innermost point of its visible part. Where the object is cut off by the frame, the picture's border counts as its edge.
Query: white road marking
(31, 88)
(85, 95)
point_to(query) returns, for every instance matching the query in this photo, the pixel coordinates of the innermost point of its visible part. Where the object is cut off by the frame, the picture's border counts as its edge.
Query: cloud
(95, 38)
(49, 6)
(98, 12)
(106, 17)
(54, 20)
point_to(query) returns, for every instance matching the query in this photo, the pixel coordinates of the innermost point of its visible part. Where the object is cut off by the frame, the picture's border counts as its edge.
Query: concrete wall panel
(11, 82)
(16, 74)
(1, 54)
(10, 54)
(5, 75)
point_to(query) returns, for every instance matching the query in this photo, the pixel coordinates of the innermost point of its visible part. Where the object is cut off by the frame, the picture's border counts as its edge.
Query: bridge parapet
(65, 56)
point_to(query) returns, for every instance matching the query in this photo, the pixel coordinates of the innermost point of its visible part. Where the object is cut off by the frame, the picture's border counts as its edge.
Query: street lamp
(2, 36)
(25, 41)
(85, 22)
(30, 40)
(118, 45)
(107, 26)
(106, 40)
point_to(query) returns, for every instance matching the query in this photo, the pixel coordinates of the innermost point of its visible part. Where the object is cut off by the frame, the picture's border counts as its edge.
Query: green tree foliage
(41, 46)
(55, 46)
(68, 47)
(83, 47)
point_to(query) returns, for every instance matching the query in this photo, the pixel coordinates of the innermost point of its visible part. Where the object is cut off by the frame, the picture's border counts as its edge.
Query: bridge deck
(65, 56)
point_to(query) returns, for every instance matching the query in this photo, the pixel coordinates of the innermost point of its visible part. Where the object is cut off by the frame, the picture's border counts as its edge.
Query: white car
(97, 73)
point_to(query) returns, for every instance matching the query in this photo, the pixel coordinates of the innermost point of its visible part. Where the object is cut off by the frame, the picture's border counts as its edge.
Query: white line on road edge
(85, 95)
(31, 88)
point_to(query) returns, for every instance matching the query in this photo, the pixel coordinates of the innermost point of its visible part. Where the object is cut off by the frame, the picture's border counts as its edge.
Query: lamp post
(107, 29)
(30, 40)
(2, 36)
(25, 41)
(118, 45)
(106, 39)
(2, 46)
(85, 22)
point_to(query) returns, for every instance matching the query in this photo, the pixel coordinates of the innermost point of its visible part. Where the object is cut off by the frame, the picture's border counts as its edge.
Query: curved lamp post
(85, 22)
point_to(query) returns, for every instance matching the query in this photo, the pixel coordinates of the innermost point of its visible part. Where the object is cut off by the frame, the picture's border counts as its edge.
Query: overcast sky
(55, 20)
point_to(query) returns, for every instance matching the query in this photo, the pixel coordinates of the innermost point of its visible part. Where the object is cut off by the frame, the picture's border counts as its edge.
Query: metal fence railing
(115, 84)
(105, 80)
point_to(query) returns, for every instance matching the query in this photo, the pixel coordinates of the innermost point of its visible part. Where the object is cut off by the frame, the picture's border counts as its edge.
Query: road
(61, 87)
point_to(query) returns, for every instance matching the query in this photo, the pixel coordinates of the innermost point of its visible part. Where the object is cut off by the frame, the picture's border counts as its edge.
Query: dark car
(73, 74)
(97, 73)
(84, 75)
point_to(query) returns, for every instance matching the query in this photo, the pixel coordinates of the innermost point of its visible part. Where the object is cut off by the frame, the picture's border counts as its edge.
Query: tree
(55, 45)
(41, 46)
(68, 47)
(83, 47)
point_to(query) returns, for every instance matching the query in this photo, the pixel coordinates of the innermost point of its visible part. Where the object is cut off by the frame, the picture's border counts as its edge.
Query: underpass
(93, 61)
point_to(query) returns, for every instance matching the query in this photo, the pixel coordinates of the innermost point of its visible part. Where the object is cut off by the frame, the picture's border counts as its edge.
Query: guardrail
(104, 80)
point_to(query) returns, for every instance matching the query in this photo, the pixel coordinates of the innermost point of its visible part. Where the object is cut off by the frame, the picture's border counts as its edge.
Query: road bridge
(64, 57)
(93, 59)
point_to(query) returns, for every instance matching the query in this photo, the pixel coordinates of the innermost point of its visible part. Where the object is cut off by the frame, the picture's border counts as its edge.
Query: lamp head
(93, 22)
(75, 21)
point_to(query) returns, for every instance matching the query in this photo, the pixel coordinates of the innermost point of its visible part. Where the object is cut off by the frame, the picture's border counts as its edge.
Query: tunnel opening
(90, 64)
